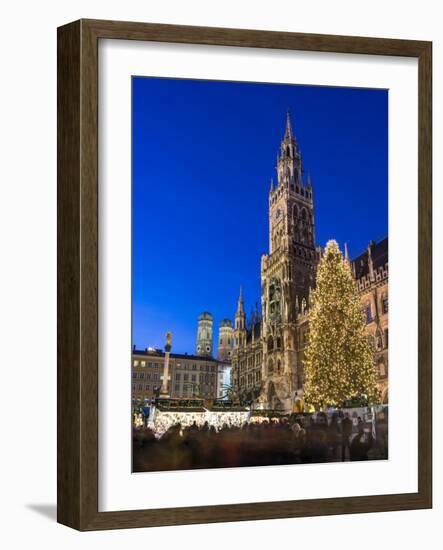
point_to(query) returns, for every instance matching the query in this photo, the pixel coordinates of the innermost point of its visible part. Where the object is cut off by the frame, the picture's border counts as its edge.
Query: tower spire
(288, 132)
(240, 305)
(309, 180)
(240, 317)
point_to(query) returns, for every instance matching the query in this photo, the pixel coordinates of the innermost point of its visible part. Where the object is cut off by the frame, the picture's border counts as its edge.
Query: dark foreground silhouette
(286, 441)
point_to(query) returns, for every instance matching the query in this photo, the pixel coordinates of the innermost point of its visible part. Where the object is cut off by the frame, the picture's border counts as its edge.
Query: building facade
(189, 375)
(371, 273)
(267, 359)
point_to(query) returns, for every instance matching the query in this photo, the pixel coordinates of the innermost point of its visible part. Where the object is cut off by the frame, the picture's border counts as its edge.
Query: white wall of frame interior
(28, 274)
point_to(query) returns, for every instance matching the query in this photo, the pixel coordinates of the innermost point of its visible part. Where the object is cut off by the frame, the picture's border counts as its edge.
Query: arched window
(288, 151)
(278, 366)
(378, 341)
(303, 214)
(295, 212)
(270, 343)
(278, 342)
(368, 312)
(270, 366)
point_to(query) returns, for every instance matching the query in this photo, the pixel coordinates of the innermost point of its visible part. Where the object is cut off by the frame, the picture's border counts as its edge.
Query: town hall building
(267, 357)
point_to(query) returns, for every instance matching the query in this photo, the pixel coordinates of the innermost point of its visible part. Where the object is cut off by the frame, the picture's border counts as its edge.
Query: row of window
(187, 366)
(251, 378)
(138, 363)
(221, 341)
(197, 390)
(384, 309)
(203, 377)
(184, 366)
(207, 390)
(300, 190)
(141, 375)
(141, 387)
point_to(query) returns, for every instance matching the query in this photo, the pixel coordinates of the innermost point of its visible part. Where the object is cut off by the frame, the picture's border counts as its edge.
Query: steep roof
(379, 254)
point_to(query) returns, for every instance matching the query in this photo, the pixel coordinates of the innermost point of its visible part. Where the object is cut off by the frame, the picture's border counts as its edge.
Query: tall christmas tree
(339, 359)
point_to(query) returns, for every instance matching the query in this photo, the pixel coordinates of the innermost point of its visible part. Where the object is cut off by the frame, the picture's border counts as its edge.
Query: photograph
(260, 300)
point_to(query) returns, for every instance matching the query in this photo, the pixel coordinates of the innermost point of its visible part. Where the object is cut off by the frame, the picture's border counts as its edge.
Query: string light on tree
(339, 359)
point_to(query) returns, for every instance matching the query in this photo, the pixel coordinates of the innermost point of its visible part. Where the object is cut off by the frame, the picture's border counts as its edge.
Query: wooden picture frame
(78, 274)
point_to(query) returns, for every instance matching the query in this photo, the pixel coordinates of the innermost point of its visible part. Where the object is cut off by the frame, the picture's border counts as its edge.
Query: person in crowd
(361, 444)
(346, 431)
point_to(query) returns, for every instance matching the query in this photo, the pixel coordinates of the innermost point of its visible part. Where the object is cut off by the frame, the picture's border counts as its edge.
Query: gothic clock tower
(287, 273)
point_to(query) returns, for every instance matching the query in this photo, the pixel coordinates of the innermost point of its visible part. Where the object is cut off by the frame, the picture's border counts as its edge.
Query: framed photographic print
(244, 275)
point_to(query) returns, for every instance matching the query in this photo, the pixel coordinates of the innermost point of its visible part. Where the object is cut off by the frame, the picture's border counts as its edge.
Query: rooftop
(160, 353)
(379, 254)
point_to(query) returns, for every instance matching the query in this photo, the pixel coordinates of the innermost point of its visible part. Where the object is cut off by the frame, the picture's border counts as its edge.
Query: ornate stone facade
(371, 273)
(267, 359)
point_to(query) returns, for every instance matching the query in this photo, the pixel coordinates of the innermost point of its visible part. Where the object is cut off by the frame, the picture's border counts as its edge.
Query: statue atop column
(168, 341)
(165, 381)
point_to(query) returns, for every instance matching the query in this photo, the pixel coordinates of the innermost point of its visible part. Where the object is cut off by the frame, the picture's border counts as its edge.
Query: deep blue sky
(203, 156)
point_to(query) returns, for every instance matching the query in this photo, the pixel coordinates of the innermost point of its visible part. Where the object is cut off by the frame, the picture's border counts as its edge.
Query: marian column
(164, 388)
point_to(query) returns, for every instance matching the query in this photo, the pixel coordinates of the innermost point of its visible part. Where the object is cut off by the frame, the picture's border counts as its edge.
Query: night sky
(203, 156)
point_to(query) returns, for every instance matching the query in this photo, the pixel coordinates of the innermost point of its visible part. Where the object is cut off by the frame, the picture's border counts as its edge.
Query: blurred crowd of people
(293, 440)
(164, 421)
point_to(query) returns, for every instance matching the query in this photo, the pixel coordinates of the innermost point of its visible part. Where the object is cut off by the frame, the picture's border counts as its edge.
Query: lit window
(143, 363)
(135, 363)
